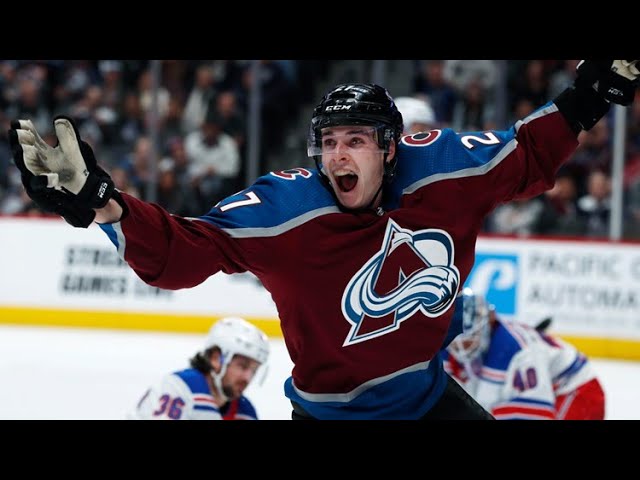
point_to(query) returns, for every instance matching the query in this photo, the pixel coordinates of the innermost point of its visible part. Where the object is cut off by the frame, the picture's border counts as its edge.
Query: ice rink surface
(55, 373)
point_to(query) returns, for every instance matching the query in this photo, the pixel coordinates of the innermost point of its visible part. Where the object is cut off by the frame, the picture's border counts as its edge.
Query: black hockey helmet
(357, 104)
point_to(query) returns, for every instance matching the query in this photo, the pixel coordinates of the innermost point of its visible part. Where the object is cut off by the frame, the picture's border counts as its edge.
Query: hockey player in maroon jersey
(364, 335)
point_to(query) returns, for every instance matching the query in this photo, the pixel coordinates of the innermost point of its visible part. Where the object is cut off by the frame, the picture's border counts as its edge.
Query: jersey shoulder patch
(443, 154)
(273, 200)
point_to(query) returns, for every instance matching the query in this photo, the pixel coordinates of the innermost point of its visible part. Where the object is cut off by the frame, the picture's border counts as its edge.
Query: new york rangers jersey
(185, 395)
(364, 299)
(524, 373)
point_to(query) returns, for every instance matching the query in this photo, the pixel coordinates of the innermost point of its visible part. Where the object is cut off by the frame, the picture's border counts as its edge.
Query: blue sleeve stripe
(114, 232)
(467, 172)
(541, 112)
(277, 229)
(572, 369)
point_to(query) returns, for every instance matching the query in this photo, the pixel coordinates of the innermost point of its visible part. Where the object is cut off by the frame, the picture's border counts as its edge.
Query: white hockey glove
(69, 167)
(626, 68)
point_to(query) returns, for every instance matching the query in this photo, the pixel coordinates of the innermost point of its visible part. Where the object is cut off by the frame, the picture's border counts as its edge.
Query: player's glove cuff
(582, 107)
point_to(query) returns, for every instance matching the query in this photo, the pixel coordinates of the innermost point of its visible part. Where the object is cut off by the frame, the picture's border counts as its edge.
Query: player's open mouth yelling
(345, 179)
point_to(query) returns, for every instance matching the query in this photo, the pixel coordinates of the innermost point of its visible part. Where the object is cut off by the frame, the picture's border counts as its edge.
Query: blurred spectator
(431, 82)
(214, 160)
(472, 111)
(83, 110)
(107, 113)
(518, 217)
(171, 123)
(30, 101)
(593, 153)
(532, 85)
(460, 73)
(176, 152)
(137, 165)
(174, 196)
(595, 206)
(559, 215)
(632, 210)
(233, 122)
(199, 99)
(562, 78)
(633, 127)
(523, 107)
(121, 180)
(130, 125)
(146, 97)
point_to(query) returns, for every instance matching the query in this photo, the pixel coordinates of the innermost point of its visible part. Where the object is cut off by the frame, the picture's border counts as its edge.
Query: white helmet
(476, 331)
(415, 110)
(236, 336)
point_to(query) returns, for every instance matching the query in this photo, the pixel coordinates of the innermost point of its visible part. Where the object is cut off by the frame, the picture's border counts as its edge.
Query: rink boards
(53, 274)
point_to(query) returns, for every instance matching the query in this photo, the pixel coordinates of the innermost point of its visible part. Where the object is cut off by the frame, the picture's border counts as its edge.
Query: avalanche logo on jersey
(412, 271)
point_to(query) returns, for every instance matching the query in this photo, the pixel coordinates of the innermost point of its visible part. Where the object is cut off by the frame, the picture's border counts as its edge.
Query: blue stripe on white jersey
(195, 380)
(570, 371)
(197, 383)
(503, 348)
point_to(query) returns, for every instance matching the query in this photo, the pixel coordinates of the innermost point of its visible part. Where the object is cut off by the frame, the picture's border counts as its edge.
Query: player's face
(240, 372)
(352, 160)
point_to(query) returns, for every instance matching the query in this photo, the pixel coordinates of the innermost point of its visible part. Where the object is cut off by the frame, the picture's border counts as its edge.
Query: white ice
(49, 373)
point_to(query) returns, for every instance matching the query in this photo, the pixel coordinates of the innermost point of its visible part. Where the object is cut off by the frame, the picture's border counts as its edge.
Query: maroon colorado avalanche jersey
(364, 299)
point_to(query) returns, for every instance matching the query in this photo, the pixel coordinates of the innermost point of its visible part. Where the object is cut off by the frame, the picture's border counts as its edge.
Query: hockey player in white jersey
(212, 389)
(518, 372)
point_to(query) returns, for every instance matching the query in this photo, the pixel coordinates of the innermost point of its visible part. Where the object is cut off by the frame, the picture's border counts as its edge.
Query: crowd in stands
(202, 110)
(201, 113)
(463, 94)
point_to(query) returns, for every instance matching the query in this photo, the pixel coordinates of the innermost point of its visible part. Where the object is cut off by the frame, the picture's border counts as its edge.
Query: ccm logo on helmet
(335, 108)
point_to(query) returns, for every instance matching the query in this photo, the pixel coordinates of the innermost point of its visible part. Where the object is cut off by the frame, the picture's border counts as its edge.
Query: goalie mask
(475, 336)
(360, 104)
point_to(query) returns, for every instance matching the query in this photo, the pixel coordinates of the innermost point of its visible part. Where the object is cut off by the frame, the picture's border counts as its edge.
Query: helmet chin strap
(217, 378)
(373, 199)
